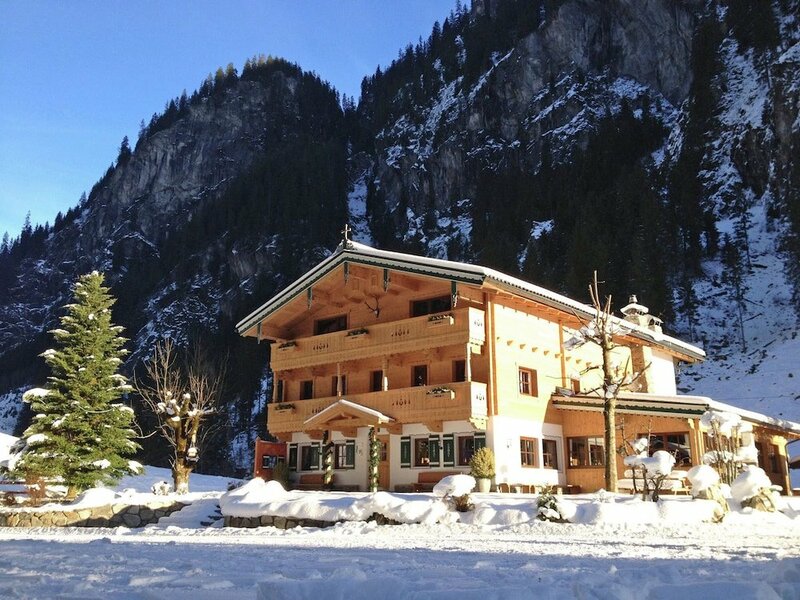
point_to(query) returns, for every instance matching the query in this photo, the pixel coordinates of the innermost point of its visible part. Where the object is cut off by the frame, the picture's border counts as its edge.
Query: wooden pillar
(327, 459)
(374, 457)
(468, 364)
(385, 374)
(338, 380)
(562, 352)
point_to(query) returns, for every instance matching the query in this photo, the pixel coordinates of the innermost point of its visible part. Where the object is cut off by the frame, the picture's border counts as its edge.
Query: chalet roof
(356, 253)
(347, 408)
(676, 406)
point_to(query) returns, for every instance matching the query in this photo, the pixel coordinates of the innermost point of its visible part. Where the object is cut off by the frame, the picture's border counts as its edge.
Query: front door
(383, 462)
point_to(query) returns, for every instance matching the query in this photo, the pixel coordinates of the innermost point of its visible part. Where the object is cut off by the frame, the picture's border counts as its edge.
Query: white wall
(408, 476)
(662, 373)
(356, 476)
(503, 437)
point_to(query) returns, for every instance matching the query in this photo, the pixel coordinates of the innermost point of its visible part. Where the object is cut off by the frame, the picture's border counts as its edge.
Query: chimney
(640, 315)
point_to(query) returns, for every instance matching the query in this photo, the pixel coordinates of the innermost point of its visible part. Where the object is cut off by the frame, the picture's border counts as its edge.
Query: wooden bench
(316, 481)
(427, 480)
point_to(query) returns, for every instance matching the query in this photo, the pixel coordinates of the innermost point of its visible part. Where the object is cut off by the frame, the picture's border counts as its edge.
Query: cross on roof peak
(346, 234)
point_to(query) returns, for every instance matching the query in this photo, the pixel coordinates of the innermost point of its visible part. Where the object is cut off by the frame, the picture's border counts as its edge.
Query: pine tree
(80, 433)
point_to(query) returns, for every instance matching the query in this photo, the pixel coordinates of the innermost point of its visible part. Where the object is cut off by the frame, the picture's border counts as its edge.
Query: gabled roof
(356, 253)
(346, 409)
(676, 406)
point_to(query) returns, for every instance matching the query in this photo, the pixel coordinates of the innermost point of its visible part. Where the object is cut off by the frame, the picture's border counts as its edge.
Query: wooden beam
(393, 428)
(434, 426)
(315, 434)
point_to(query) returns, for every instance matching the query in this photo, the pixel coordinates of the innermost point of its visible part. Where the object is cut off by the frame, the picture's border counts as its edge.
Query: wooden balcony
(462, 326)
(466, 401)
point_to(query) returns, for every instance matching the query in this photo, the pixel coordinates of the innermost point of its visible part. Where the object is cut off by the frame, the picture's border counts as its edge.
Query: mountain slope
(653, 141)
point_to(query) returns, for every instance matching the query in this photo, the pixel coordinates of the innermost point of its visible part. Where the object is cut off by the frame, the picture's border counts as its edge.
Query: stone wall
(125, 515)
(290, 523)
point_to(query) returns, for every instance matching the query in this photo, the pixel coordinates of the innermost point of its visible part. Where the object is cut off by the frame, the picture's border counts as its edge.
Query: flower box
(284, 407)
(287, 347)
(439, 320)
(356, 334)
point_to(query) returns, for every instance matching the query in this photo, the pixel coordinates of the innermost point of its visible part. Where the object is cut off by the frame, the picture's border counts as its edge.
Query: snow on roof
(464, 272)
(678, 404)
(382, 418)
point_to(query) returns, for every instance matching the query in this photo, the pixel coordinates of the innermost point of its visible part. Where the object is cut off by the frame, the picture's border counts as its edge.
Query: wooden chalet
(441, 357)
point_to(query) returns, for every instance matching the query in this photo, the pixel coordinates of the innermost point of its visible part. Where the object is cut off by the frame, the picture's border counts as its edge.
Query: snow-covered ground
(747, 556)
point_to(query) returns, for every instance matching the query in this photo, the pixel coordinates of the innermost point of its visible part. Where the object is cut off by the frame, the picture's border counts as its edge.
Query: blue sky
(75, 77)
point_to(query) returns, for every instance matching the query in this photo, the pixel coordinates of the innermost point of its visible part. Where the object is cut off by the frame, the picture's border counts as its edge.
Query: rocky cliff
(653, 140)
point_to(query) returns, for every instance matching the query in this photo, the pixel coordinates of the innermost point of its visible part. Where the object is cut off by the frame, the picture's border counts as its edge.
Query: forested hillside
(655, 142)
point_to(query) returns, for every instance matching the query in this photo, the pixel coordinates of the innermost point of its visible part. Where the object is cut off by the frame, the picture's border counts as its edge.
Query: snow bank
(258, 498)
(634, 511)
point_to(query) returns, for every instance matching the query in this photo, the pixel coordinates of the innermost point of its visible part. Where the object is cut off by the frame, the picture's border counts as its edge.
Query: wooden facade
(441, 357)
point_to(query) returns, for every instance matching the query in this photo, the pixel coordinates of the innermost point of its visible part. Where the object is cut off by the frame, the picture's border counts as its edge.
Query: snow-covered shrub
(726, 452)
(653, 470)
(549, 509)
(454, 485)
(455, 489)
(702, 477)
(161, 488)
(706, 486)
(752, 488)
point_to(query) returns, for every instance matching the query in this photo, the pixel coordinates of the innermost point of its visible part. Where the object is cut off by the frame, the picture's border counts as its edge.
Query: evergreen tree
(80, 433)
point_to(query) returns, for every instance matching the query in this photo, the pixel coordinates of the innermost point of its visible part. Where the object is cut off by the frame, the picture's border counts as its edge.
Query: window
(459, 370)
(430, 306)
(527, 382)
(376, 381)
(466, 448)
(419, 375)
(549, 454)
(774, 457)
(279, 390)
(676, 444)
(575, 382)
(269, 461)
(309, 458)
(586, 451)
(307, 389)
(330, 325)
(422, 457)
(333, 385)
(344, 455)
(527, 451)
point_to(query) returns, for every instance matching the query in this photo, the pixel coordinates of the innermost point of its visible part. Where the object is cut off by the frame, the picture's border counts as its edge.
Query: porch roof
(346, 413)
(671, 406)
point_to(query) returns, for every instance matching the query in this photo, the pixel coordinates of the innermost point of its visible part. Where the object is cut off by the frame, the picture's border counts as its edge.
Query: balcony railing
(462, 326)
(463, 401)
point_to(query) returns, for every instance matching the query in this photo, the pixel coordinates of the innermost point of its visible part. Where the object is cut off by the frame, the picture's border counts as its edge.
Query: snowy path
(359, 560)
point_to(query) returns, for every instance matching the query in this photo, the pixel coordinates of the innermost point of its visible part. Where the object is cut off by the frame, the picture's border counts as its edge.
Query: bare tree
(182, 394)
(601, 331)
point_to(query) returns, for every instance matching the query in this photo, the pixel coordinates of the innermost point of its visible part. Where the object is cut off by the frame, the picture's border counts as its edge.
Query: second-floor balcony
(461, 326)
(430, 405)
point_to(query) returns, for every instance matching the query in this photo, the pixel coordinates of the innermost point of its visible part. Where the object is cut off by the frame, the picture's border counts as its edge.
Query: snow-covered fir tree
(80, 432)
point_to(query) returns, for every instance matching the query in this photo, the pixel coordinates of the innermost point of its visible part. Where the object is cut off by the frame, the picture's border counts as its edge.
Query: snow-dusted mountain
(654, 141)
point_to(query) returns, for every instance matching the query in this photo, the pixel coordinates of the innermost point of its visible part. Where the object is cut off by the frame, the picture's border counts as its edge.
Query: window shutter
(350, 454)
(293, 457)
(318, 452)
(480, 440)
(448, 450)
(433, 450)
(405, 452)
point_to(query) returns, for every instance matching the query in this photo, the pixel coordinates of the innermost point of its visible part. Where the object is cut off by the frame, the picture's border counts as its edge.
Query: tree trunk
(610, 420)
(72, 492)
(180, 477)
